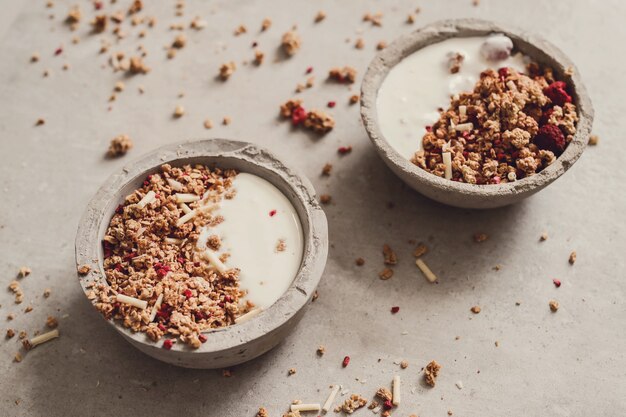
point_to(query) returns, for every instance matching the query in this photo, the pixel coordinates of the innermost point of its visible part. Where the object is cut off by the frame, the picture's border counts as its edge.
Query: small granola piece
(384, 394)
(262, 412)
(266, 24)
(99, 23)
(319, 122)
(375, 19)
(119, 146)
(258, 57)
(321, 15)
(381, 45)
(420, 250)
(475, 309)
(543, 237)
(455, 60)
(353, 403)
(84, 269)
(385, 274)
(593, 140)
(52, 322)
(24, 272)
(227, 69)
(431, 372)
(40, 122)
(281, 246)
(47, 292)
(554, 305)
(137, 66)
(325, 199)
(572, 258)
(28, 309)
(291, 371)
(226, 120)
(410, 19)
(343, 75)
(23, 335)
(359, 44)
(240, 30)
(291, 42)
(208, 124)
(404, 364)
(321, 349)
(390, 257)
(354, 98)
(480, 237)
(359, 262)
(73, 16)
(327, 169)
(34, 57)
(17, 357)
(135, 7)
(315, 296)
(10, 333)
(180, 41)
(179, 111)
(373, 404)
(119, 86)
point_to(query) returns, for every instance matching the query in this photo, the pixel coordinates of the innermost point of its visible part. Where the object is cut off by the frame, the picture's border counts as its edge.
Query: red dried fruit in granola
(557, 93)
(550, 138)
(167, 344)
(187, 293)
(298, 115)
(346, 361)
(395, 309)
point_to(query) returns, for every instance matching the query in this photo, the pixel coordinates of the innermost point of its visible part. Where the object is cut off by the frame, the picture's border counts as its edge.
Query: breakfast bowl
(453, 192)
(263, 329)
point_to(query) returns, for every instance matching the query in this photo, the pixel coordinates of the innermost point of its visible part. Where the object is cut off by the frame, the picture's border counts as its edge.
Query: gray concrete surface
(571, 363)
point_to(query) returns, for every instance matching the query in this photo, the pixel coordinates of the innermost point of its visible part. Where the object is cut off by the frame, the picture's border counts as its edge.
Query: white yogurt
(255, 221)
(421, 83)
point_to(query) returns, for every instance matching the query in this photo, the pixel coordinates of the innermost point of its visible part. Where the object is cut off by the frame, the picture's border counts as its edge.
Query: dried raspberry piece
(503, 72)
(346, 361)
(162, 327)
(272, 213)
(187, 293)
(342, 150)
(202, 338)
(395, 309)
(161, 269)
(167, 344)
(557, 282)
(550, 138)
(119, 209)
(387, 405)
(331, 104)
(557, 93)
(165, 311)
(298, 115)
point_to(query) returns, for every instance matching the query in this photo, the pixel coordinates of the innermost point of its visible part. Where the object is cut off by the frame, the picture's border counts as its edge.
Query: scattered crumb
(375, 19)
(28, 309)
(480, 237)
(119, 146)
(226, 120)
(554, 305)
(381, 45)
(52, 322)
(18, 357)
(475, 309)
(321, 350)
(119, 86)
(47, 292)
(137, 66)
(497, 343)
(291, 42)
(390, 257)
(240, 30)
(84, 269)
(262, 412)
(208, 124)
(266, 24)
(34, 57)
(431, 372)
(40, 122)
(360, 261)
(22, 335)
(179, 111)
(354, 98)
(343, 75)
(420, 250)
(543, 237)
(10, 333)
(291, 371)
(325, 198)
(593, 140)
(258, 57)
(404, 364)
(410, 19)
(327, 169)
(315, 296)
(385, 274)
(227, 69)
(359, 44)
(321, 15)
(24, 272)
(572, 258)
(227, 373)
(180, 41)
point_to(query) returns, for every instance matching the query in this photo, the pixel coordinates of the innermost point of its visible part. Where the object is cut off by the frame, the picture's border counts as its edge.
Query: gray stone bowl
(462, 194)
(240, 342)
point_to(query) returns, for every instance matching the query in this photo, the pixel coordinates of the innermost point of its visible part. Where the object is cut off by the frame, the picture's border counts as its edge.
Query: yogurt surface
(256, 220)
(421, 83)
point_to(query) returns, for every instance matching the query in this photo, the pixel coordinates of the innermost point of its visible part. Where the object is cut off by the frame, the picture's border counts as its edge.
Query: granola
(291, 42)
(351, 404)
(150, 257)
(431, 372)
(316, 120)
(343, 75)
(119, 146)
(511, 126)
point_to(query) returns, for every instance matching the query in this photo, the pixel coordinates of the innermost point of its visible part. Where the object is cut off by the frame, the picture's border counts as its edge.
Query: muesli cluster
(511, 126)
(158, 280)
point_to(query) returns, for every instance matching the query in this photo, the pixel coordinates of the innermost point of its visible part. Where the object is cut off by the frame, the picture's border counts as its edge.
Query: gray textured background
(571, 363)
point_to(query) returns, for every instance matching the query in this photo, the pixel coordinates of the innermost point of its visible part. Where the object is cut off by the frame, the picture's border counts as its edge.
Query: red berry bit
(309, 70)
(395, 309)
(298, 115)
(550, 138)
(557, 282)
(202, 338)
(387, 405)
(344, 150)
(346, 361)
(161, 269)
(557, 93)
(167, 344)
(58, 51)
(119, 209)
(503, 73)
(187, 293)
(331, 104)
(272, 213)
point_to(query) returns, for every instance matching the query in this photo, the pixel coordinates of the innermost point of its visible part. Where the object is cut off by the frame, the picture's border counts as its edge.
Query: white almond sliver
(135, 302)
(43, 338)
(156, 307)
(447, 161)
(462, 111)
(186, 218)
(215, 261)
(305, 407)
(331, 398)
(173, 241)
(185, 208)
(176, 186)
(248, 315)
(187, 198)
(426, 270)
(464, 127)
(396, 390)
(147, 199)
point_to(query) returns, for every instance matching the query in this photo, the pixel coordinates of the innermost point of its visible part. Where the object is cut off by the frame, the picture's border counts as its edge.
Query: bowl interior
(539, 50)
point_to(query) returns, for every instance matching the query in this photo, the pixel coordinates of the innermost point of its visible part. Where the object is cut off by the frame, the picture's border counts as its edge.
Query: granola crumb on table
(119, 146)
(509, 127)
(227, 69)
(315, 120)
(431, 372)
(291, 42)
(24, 272)
(351, 404)
(262, 412)
(149, 254)
(554, 306)
(343, 75)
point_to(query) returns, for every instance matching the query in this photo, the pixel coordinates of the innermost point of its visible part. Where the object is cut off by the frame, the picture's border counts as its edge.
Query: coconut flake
(147, 199)
(176, 186)
(43, 338)
(156, 307)
(185, 208)
(396, 390)
(135, 302)
(447, 161)
(186, 218)
(464, 127)
(305, 407)
(425, 270)
(186, 198)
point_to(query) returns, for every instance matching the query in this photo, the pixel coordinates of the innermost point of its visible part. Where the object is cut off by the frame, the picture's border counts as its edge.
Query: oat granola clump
(262, 412)
(316, 120)
(150, 255)
(291, 42)
(384, 394)
(509, 127)
(343, 75)
(352, 404)
(431, 372)
(227, 69)
(119, 146)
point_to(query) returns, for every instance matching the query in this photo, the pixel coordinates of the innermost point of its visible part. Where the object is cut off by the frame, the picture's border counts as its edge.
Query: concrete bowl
(240, 342)
(463, 194)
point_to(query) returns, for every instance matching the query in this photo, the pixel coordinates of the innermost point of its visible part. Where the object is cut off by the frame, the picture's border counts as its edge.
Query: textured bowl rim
(315, 231)
(532, 45)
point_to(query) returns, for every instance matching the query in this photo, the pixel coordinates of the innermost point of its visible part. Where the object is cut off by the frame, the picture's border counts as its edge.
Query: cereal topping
(351, 404)
(343, 75)
(227, 69)
(119, 146)
(291, 42)
(431, 372)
